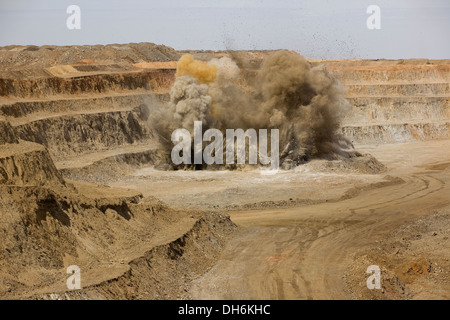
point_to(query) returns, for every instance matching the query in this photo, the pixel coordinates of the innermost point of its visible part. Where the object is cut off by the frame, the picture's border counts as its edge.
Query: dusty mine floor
(309, 234)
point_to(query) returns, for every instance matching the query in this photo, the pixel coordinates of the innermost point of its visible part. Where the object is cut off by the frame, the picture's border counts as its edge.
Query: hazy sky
(316, 28)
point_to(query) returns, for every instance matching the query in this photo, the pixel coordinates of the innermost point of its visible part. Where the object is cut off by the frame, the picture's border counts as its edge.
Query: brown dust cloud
(306, 103)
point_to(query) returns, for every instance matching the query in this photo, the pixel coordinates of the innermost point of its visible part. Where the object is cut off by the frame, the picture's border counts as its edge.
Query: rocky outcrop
(127, 247)
(165, 271)
(24, 163)
(6, 133)
(27, 163)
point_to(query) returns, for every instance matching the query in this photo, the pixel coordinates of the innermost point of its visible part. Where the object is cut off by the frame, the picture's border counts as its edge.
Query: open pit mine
(87, 180)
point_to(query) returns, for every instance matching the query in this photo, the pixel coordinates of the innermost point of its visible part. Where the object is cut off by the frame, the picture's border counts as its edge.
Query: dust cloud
(305, 103)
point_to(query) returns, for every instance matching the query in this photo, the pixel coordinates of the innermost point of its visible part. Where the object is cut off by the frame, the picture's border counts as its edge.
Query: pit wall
(23, 109)
(155, 80)
(70, 135)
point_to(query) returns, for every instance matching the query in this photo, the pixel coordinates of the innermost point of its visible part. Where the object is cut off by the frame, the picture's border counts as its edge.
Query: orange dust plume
(202, 71)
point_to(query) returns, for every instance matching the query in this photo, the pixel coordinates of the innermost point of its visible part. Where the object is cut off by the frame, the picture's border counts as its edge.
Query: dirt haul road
(309, 252)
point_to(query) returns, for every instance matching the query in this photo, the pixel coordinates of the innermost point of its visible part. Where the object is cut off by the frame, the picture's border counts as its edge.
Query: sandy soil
(286, 248)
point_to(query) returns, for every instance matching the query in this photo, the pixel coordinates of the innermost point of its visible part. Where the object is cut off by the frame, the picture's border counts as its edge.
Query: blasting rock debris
(305, 103)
